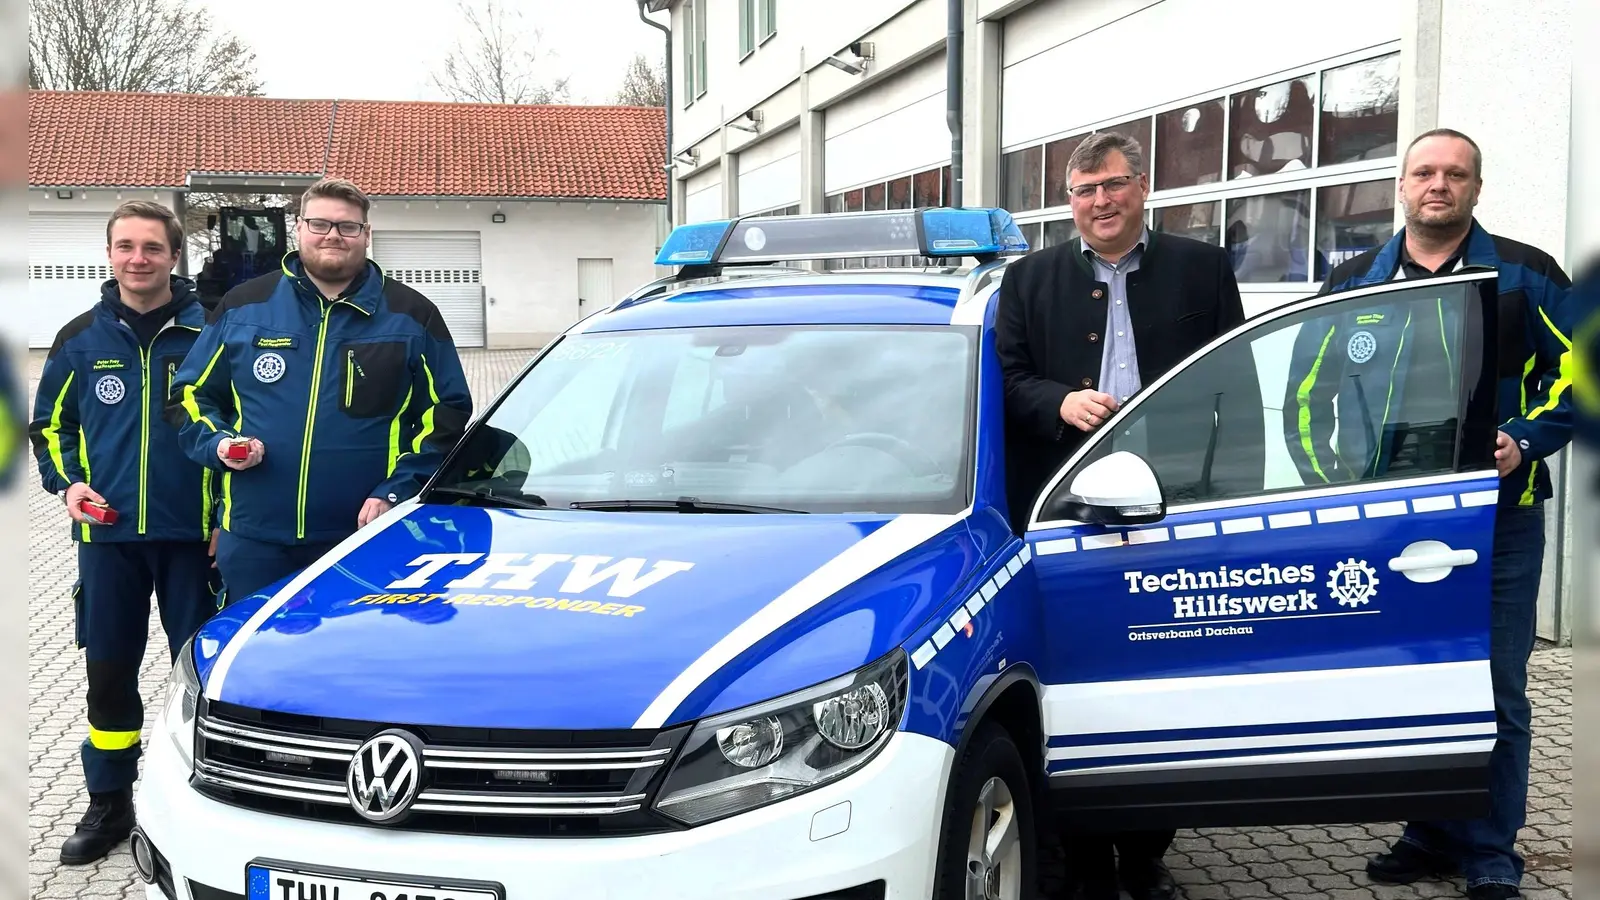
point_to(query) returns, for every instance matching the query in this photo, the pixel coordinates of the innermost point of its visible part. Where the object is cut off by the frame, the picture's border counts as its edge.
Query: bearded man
(324, 392)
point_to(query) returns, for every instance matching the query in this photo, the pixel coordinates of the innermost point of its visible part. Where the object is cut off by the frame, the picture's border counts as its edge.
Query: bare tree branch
(162, 46)
(492, 64)
(643, 84)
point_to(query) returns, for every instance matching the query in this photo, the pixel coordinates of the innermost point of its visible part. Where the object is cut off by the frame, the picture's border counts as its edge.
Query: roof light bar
(936, 233)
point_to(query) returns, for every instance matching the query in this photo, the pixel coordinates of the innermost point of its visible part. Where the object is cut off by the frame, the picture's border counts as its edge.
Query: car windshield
(807, 418)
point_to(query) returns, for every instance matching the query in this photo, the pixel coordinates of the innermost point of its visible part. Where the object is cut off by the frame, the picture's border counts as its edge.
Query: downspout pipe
(667, 162)
(952, 94)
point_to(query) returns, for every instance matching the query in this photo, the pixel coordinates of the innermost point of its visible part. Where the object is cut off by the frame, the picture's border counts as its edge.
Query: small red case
(239, 449)
(99, 512)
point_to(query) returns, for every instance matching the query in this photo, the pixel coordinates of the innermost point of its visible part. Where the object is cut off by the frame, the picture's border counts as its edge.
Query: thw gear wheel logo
(1353, 583)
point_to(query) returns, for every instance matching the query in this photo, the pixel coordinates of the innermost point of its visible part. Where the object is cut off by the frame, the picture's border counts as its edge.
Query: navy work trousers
(113, 612)
(1486, 849)
(248, 566)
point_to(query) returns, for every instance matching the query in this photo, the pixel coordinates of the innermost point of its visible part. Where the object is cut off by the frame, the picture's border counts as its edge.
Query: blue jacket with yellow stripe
(98, 419)
(355, 397)
(1537, 317)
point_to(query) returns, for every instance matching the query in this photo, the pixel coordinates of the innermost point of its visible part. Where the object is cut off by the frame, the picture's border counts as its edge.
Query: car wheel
(987, 848)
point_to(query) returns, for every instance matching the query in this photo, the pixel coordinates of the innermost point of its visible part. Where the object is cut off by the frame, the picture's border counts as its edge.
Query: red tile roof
(87, 139)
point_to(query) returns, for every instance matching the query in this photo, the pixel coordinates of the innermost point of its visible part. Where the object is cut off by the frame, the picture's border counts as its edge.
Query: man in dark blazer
(1081, 328)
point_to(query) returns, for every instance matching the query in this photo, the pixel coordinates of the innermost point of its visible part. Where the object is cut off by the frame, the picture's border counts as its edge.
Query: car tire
(990, 794)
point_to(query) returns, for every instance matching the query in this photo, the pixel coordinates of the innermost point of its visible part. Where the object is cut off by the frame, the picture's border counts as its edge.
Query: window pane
(1189, 146)
(1030, 233)
(852, 200)
(1138, 129)
(769, 18)
(1201, 221)
(1352, 219)
(747, 26)
(900, 193)
(877, 197)
(1022, 176)
(1360, 111)
(1243, 420)
(925, 189)
(835, 203)
(1056, 154)
(1269, 237)
(1269, 130)
(1060, 231)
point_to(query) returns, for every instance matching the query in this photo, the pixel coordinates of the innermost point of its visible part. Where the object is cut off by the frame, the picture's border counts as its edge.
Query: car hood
(496, 618)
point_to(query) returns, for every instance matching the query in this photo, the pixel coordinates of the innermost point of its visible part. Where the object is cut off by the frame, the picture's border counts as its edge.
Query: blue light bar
(938, 233)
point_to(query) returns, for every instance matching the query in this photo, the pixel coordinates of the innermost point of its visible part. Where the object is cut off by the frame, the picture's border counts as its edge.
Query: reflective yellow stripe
(205, 503)
(83, 462)
(112, 740)
(52, 432)
(427, 415)
(1522, 387)
(1444, 339)
(1303, 397)
(394, 432)
(189, 405)
(1564, 370)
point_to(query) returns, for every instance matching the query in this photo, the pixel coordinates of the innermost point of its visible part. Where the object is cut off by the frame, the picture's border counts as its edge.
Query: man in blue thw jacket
(1442, 174)
(99, 438)
(344, 385)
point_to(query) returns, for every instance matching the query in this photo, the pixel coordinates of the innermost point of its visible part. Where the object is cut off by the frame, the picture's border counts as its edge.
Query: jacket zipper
(144, 432)
(349, 377)
(311, 418)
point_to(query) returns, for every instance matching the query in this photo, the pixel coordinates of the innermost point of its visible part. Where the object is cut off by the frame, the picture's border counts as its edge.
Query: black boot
(107, 823)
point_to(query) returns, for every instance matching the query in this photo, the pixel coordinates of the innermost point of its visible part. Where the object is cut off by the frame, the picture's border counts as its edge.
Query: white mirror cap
(1121, 479)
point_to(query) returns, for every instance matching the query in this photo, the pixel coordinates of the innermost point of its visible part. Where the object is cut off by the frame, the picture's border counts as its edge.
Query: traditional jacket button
(1087, 382)
(1093, 337)
(1098, 294)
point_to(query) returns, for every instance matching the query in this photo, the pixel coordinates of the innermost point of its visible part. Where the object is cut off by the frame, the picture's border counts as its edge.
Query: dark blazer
(1049, 331)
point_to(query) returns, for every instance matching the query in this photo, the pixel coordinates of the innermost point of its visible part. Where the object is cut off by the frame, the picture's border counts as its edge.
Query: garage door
(66, 266)
(447, 267)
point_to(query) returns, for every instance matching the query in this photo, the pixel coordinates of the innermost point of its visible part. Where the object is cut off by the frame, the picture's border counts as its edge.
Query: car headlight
(183, 695)
(738, 761)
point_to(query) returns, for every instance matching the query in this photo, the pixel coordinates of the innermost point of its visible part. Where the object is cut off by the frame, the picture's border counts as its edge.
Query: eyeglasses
(1113, 187)
(346, 229)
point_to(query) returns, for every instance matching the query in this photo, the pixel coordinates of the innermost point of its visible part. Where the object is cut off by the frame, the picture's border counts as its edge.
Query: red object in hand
(99, 512)
(239, 449)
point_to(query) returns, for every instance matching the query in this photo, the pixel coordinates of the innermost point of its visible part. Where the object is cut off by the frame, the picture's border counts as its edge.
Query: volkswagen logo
(384, 777)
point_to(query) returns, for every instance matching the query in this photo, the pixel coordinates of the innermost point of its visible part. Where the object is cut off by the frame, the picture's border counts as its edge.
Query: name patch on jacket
(101, 365)
(277, 343)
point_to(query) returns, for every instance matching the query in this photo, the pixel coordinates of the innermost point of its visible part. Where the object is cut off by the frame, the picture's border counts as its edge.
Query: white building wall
(769, 173)
(703, 194)
(896, 128)
(530, 261)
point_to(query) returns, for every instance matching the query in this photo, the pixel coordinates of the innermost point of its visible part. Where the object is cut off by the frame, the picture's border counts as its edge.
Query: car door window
(1348, 391)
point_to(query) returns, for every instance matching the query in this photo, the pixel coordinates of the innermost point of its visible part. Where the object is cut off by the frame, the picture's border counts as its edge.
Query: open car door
(1266, 579)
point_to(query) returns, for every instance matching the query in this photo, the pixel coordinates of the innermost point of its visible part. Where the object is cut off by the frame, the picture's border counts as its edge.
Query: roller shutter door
(446, 267)
(66, 266)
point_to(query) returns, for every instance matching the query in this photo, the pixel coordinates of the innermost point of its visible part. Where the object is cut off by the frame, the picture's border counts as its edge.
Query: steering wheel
(919, 461)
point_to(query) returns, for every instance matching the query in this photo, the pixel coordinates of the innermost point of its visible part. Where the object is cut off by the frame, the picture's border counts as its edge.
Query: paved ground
(1323, 863)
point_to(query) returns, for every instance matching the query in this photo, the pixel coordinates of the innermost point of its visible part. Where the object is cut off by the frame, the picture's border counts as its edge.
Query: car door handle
(1428, 561)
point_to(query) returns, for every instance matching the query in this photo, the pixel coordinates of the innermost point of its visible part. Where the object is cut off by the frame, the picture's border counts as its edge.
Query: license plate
(272, 880)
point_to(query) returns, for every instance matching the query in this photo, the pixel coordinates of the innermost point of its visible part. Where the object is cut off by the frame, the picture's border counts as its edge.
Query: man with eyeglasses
(324, 392)
(1082, 326)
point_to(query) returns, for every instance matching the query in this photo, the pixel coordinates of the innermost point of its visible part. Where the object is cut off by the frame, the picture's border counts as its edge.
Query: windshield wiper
(682, 505)
(486, 496)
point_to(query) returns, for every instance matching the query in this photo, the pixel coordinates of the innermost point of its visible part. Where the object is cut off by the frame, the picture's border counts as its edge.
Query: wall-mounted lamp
(63, 195)
(498, 218)
(750, 121)
(688, 157)
(853, 60)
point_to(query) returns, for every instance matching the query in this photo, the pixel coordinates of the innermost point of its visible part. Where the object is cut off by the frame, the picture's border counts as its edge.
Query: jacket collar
(363, 293)
(1148, 244)
(1479, 251)
(184, 298)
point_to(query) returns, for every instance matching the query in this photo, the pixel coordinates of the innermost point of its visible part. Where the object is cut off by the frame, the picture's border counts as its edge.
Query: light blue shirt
(1119, 361)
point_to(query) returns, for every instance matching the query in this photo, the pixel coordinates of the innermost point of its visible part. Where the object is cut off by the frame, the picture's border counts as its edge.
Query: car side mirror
(1117, 489)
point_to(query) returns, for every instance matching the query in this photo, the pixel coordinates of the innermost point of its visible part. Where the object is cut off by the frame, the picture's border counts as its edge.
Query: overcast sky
(389, 48)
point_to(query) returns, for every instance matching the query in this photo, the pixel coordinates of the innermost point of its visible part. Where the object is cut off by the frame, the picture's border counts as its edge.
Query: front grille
(475, 781)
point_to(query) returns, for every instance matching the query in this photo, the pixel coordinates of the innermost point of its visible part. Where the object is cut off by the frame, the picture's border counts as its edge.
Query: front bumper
(892, 808)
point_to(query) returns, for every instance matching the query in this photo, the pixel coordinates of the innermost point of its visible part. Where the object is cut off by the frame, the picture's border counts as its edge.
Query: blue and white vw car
(721, 598)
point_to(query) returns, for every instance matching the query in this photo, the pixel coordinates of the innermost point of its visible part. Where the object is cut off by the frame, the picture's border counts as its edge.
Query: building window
(690, 59)
(747, 28)
(1292, 176)
(700, 53)
(769, 19)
